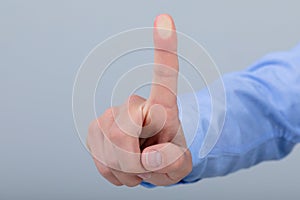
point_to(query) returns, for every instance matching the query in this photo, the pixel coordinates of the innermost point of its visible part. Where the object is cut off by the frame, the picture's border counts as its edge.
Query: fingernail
(153, 159)
(164, 25)
(145, 176)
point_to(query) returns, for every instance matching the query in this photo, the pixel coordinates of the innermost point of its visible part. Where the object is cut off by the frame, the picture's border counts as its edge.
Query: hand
(143, 139)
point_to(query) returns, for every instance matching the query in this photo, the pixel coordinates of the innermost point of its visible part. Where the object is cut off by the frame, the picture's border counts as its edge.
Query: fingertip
(164, 27)
(164, 21)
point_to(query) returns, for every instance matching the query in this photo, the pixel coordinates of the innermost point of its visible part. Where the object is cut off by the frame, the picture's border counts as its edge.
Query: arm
(262, 117)
(262, 120)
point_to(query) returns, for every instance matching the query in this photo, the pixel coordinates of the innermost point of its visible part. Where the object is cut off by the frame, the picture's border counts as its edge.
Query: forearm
(262, 120)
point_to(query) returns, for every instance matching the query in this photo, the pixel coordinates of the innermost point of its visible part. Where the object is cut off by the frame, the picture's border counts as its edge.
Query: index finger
(165, 73)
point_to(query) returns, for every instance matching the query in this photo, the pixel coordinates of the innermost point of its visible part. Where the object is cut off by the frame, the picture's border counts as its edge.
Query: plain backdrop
(42, 44)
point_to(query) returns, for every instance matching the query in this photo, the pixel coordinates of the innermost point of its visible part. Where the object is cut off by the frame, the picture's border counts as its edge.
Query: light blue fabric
(262, 120)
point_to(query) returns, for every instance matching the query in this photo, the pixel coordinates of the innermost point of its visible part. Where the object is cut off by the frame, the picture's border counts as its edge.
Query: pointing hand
(143, 139)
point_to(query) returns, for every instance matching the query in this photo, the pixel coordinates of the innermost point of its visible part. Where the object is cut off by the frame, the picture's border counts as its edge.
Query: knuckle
(94, 133)
(97, 125)
(133, 99)
(94, 126)
(108, 113)
(115, 135)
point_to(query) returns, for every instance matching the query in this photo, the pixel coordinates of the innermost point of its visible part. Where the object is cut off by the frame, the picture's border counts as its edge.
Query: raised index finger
(164, 86)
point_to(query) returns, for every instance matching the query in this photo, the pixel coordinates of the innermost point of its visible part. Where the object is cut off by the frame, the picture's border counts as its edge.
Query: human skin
(143, 138)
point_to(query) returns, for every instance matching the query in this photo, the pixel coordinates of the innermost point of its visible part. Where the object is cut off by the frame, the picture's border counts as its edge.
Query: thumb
(165, 158)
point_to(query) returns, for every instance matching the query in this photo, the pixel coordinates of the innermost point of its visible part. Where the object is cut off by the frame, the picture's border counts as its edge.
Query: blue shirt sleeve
(262, 117)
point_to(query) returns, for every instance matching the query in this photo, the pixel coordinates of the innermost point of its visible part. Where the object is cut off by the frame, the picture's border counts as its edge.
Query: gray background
(42, 44)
